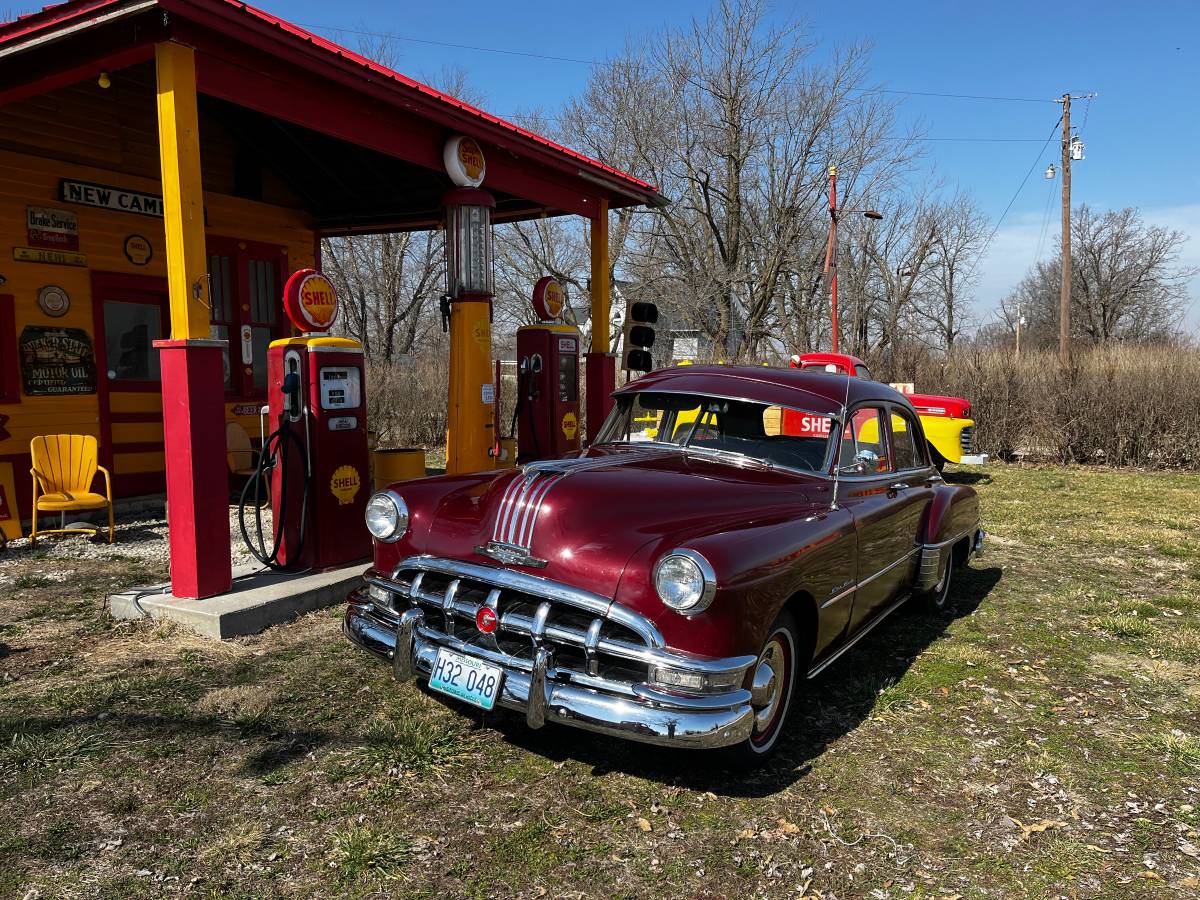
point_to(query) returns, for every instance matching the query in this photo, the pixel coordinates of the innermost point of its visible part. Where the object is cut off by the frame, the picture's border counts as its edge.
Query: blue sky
(1143, 60)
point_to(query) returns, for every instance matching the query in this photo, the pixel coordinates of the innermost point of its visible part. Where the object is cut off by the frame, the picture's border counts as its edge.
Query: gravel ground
(140, 537)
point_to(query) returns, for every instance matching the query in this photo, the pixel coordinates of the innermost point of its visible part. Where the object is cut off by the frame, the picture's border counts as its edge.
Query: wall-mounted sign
(107, 197)
(138, 250)
(548, 298)
(51, 229)
(310, 300)
(53, 301)
(246, 409)
(53, 257)
(57, 361)
(463, 158)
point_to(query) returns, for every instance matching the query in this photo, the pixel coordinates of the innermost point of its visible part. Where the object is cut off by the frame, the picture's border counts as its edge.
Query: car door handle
(898, 486)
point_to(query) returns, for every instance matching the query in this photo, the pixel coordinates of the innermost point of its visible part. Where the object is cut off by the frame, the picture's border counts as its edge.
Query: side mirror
(865, 462)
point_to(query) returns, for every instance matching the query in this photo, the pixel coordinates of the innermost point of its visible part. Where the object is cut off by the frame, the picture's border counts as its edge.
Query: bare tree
(732, 119)
(959, 238)
(1126, 282)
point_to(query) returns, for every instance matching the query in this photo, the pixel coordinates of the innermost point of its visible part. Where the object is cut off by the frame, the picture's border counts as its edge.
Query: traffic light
(638, 337)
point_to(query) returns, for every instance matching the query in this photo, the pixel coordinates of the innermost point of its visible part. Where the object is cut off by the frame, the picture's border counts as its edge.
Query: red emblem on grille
(485, 619)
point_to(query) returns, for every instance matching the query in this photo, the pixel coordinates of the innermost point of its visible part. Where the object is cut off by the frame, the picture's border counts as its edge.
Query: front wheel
(775, 674)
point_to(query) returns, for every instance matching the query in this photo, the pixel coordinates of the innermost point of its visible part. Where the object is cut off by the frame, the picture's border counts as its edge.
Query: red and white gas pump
(547, 411)
(316, 455)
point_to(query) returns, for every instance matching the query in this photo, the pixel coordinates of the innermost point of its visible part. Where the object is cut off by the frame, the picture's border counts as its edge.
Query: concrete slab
(259, 599)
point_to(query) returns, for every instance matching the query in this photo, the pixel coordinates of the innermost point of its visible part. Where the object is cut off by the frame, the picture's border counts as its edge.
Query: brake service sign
(310, 300)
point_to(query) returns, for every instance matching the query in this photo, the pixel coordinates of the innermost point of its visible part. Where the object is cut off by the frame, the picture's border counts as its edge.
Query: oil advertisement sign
(57, 361)
(51, 229)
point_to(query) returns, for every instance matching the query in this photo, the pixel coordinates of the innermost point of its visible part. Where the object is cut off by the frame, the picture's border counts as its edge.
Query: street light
(831, 249)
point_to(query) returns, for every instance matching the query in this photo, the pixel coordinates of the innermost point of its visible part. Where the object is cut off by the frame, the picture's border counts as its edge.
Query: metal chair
(64, 467)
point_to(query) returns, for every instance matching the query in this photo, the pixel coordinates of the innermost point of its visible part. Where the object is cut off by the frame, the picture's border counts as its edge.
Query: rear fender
(953, 516)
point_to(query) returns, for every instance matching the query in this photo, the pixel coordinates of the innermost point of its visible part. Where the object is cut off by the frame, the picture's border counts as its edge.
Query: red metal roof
(85, 13)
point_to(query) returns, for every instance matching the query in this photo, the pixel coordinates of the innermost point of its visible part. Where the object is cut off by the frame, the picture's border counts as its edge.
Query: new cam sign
(107, 197)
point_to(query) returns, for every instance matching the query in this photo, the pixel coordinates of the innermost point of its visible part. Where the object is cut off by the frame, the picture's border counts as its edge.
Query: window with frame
(864, 431)
(906, 448)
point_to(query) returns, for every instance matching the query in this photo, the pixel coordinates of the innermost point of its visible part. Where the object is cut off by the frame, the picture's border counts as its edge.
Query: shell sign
(310, 300)
(548, 298)
(464, 161)
(345, 484)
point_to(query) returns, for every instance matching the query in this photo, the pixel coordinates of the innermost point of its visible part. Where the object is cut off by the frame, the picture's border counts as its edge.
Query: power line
(1016, 193)
(400, 37)
(596, 62)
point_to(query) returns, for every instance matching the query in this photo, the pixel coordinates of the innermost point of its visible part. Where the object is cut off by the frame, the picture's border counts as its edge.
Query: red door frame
(126, 288)
(241, 251)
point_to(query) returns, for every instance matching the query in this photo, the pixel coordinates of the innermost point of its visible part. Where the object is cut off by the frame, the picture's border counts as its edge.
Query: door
(130, 314)
(886, 513)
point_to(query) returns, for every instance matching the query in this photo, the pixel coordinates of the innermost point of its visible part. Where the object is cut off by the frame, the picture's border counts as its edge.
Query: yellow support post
(601, 338)
(469, 420)
(183, 190)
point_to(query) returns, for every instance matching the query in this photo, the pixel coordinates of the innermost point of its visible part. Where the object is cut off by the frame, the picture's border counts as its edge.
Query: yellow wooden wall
(109, 137)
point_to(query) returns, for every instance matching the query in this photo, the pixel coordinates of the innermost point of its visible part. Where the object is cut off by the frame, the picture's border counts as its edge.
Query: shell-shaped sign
(464, 161)
(548, 298)
(310, 300)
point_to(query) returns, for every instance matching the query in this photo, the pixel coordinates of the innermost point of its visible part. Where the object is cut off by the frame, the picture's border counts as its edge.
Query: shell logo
(345, 484)
(548, 298)
(310, 300)
(464, 161)
(570, 426)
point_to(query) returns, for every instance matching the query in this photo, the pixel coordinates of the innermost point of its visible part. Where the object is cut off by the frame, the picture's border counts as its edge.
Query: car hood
(581, 519)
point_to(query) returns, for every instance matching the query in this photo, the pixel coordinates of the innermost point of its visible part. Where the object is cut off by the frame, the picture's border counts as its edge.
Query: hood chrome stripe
(505, 506)
(535, 507)
(531, 502)
(519, 503)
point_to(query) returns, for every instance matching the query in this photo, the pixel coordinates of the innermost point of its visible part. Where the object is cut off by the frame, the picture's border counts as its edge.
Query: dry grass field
(1041, 739)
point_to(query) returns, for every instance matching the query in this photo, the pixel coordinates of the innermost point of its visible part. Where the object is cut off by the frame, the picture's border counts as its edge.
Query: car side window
(906, 450)
(864, 431)
(862, 372)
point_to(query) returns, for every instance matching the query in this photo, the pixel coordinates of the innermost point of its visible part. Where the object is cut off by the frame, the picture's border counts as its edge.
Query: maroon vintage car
(674, 581)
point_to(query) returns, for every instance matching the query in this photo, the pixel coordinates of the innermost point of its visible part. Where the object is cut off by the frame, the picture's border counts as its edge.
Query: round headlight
(387, 516)
(685, 581)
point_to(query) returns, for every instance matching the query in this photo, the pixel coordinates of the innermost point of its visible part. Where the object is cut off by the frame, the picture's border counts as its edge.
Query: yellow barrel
(508, 453)
(399, 464)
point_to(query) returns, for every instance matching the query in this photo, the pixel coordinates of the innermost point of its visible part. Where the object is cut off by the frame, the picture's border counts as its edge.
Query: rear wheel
(776, 674)
(937, 599)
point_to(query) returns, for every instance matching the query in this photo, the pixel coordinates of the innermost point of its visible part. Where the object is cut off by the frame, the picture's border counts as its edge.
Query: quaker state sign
(310, 300)
(56, 361)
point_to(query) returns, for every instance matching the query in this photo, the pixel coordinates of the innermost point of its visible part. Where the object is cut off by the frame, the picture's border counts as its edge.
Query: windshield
(741, 429)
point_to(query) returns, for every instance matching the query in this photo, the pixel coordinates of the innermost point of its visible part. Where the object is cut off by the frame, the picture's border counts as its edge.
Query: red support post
(600, 380)
(197, 480)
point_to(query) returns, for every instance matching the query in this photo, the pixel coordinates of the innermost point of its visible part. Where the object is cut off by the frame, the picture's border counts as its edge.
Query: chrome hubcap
(767, 690)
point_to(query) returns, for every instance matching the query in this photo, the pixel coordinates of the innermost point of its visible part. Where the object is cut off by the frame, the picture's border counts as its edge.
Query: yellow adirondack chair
(64, 467)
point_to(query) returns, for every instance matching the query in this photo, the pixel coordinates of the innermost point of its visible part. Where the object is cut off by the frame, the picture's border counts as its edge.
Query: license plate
(466, 678)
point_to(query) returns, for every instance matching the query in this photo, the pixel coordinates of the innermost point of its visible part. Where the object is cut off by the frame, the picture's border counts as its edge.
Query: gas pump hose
(275, 453)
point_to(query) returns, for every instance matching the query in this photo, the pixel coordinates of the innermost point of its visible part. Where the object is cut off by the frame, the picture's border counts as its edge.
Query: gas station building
(165, 165)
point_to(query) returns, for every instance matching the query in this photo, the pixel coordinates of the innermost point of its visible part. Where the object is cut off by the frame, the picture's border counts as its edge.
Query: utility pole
(1064, 297)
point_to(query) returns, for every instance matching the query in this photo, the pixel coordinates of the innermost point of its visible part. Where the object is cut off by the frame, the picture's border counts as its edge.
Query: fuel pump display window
(341, 387)
(568, 377)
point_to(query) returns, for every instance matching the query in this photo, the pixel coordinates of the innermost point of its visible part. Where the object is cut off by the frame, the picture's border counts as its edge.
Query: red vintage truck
(949, 428)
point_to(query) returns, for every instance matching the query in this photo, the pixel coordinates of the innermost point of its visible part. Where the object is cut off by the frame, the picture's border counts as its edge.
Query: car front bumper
(648, 714)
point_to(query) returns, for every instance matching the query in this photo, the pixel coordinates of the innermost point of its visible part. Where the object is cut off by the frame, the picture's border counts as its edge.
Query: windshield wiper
(731, 455)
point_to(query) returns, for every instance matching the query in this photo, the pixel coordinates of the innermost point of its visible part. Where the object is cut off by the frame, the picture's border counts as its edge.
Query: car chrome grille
(966, 439)
(593, 641)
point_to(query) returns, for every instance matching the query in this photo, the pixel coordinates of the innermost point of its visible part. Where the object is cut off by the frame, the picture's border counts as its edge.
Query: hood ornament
(510, 555)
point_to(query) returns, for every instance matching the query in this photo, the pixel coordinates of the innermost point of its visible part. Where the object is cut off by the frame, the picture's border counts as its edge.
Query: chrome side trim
(837, 654)
(905, 558)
